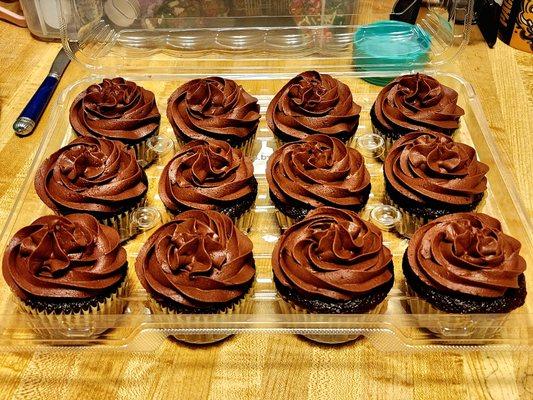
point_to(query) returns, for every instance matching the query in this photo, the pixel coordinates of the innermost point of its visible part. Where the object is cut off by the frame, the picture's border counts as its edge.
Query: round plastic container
(385, 46)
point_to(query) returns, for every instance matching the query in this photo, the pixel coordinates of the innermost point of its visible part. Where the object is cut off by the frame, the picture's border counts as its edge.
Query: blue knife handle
(40, 99)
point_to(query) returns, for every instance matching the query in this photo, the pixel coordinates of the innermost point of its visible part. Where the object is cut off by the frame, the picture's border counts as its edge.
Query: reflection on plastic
(371, 145)
(161, 149)
(385, 217)
(146, 218)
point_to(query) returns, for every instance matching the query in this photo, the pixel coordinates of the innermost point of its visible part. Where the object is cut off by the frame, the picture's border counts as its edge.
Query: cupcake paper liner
(352, 142)
(245, 222)
(409, 223)
(65, 326)
(288, 307)
(145, 155)
(122, 222)
(284, 221)
(388, 142)
(463, 327)
(241, 307)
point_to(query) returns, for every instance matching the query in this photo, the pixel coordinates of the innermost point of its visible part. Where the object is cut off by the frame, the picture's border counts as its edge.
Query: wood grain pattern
(266, 367)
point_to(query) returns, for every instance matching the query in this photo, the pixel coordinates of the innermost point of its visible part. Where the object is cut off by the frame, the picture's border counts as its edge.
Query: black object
(406, 11)
(458, 11)
(488, 17)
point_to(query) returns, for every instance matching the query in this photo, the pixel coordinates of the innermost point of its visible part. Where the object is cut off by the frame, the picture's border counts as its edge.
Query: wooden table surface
(255, 366)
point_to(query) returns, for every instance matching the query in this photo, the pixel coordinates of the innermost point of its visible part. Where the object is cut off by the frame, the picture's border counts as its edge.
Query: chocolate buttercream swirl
(430, 167)
(317, 171)
(332, 254)
(466, 253)
(313, 103)
(198, 260)
(115, 109)
(417, 102)
(97, 176)
(64, 258)
(213, 108)
(207, 175)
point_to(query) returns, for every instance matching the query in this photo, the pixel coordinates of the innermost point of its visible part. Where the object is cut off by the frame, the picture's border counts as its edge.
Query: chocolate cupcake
(198, 263)
(210, 176)
(332, 262)
(415, 103)
(464, 264)
(312, 103)
(214, 108)
(100, 177)
(119, 110)
(428, 175)
(61, 268)
(317, 171)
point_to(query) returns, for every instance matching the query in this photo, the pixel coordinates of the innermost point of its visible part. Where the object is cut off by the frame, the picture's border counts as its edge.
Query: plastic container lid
(261, 37)
(390, 45)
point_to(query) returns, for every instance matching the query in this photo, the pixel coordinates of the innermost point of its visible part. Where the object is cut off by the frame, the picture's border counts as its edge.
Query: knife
(30, 116)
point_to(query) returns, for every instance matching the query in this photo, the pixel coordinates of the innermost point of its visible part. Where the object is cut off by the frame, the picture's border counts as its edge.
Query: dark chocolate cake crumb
(459, 303)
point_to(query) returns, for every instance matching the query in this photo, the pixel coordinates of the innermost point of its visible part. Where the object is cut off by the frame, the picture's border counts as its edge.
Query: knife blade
(30, 116)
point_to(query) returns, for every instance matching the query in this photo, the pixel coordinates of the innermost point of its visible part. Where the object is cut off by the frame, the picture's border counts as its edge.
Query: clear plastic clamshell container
(179, 36)
(148, 51)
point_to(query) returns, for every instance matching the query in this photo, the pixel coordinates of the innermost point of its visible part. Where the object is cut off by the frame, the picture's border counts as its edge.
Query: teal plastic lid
(390, 46)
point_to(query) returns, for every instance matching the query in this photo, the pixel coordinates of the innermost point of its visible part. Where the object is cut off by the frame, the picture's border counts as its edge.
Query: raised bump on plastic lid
(146, 218)
(122, 12)
(370, 145)
(385, 217)
(161, 145)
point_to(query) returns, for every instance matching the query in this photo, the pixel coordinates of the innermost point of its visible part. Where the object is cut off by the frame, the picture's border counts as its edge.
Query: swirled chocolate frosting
(115, 109)
(64, 258)
(213, 108)
(198, 260)
(417, 102)
(207, 175)
(319, 170)
(312, 103)
(466, 253)
(429, 168)
(332, 254)
(97, 176)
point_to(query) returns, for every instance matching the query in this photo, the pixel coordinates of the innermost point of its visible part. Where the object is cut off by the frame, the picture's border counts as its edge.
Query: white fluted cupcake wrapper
(464, 326)
(241, 307)
(288, 307)
(65, 326)
(123, 222)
